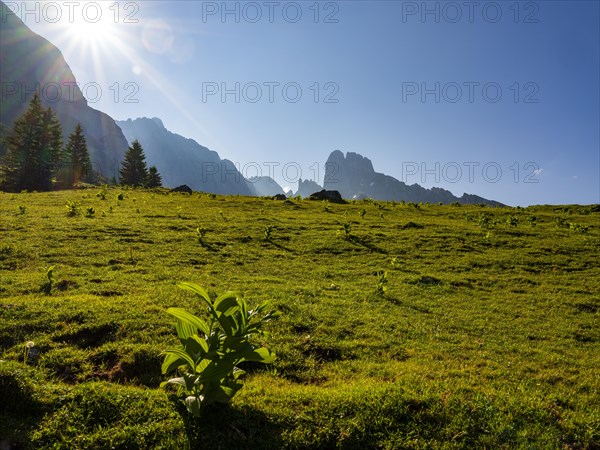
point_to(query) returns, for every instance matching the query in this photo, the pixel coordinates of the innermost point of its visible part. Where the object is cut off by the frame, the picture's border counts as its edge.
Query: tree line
(33, 158)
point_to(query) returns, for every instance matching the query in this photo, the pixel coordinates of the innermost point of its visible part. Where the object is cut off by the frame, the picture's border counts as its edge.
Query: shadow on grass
(279, 246)
(228, 427)
(398, 302)
(365, 242)
(208, 246)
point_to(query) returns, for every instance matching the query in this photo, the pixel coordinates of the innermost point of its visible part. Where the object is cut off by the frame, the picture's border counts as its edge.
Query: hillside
(487, 334)
(182, 160)
(28, 60)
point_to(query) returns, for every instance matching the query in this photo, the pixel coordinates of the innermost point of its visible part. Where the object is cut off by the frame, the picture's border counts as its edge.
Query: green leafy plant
(267, 231)
(102, 194)
(345, 229)
(380, 286)
(362, 213)
(22, 210)
(513, 221)
(578, 228)
(120, 196)
(532, 220)
(209, 353)
(90, 212)
(486, 221)
(47, 286)
(73, 208)
(561, 222)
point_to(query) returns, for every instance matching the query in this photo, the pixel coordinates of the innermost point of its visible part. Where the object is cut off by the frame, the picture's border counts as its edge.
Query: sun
(94, 34)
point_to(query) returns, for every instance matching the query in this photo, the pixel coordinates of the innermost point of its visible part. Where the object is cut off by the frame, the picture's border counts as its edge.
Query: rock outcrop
(354, 177)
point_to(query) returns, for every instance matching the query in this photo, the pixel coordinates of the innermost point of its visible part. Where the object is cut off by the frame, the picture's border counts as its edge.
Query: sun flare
(89, 33)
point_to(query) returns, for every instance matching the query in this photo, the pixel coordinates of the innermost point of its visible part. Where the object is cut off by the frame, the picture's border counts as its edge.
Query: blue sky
(499, 99)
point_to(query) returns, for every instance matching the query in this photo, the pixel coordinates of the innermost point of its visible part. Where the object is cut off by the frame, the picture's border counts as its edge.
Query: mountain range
(28, 62)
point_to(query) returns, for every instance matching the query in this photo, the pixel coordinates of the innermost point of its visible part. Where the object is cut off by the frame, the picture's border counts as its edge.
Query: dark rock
(330, 196)
(279, 197)
(183, 188)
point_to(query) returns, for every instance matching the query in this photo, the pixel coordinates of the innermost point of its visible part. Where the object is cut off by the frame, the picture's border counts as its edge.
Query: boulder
(183, 188)
(330, 196)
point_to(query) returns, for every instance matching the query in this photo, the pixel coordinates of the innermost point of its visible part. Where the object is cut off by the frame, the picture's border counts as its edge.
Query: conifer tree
(154, 178)
(33, 150)
(77, 157)
(133, 170)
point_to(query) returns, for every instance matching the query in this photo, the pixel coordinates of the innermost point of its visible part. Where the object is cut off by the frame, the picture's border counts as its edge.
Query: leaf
(192, 403)
(179, 381)
(262, 355)
(190, 381)
(181, 354)
(171, 362)
(190, 319)
(199, 290)
(185, 330)
(216, 371)
(202, 365)
(227, 303)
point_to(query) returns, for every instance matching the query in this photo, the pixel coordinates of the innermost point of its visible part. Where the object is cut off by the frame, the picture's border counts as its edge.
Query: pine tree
(33, 150)
(133, 169)
(154, 178)
(77, 158)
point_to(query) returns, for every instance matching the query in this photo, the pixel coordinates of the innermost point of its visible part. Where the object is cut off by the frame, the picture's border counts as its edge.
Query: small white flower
(29, 344)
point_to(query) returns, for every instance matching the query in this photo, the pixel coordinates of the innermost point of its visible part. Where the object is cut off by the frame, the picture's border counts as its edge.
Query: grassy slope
(477, 342)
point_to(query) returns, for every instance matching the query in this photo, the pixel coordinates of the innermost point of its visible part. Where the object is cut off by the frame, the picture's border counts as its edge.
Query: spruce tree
(133, 170)
(33, 150)
(154, 178)
(77, 158)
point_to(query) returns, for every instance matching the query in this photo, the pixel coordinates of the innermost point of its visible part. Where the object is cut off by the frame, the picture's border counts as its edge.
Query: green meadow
(402, 326)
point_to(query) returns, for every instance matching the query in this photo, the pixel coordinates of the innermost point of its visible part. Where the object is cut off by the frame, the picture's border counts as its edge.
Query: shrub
(382, 280)
(346, 229)
(102, 194)
(267, 230)
(209, 353)
(73, 209)
(532, 220)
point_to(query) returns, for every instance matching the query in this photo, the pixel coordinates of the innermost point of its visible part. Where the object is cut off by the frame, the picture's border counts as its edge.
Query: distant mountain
(27, 60)
(354, 177)
(180, 160)
(265, 186)
(307, 187)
